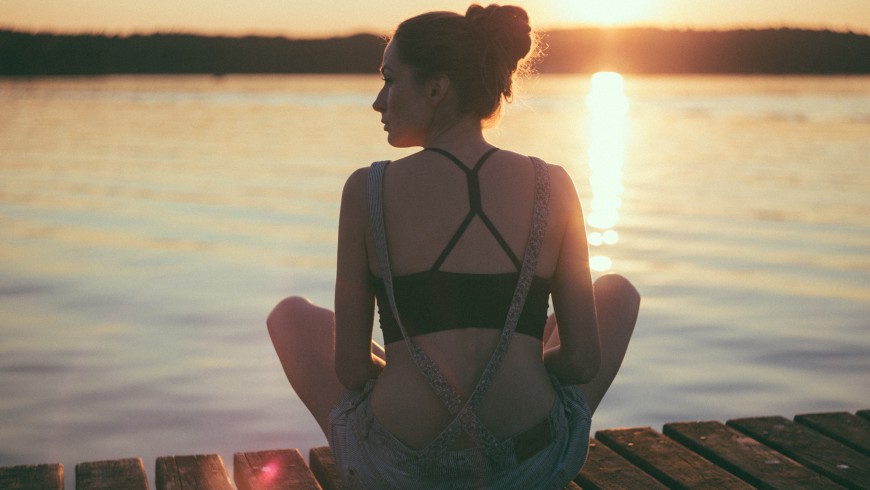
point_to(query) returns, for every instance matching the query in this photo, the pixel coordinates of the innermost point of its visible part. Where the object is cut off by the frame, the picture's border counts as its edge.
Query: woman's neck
(462, 135)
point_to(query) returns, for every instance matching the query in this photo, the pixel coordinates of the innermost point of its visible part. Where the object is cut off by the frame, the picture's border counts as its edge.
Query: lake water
(150, 223)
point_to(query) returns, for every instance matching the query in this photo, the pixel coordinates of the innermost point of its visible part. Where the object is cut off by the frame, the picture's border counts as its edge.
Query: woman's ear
(437, 88)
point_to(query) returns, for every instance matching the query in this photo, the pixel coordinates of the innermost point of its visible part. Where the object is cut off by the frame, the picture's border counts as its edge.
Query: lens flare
(269, 472)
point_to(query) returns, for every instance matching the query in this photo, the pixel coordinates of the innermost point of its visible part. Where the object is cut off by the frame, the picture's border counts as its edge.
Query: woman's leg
(304, 337)
(616, 304)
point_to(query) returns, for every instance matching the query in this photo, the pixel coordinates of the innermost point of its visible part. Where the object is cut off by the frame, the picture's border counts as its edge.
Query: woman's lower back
(520, 396)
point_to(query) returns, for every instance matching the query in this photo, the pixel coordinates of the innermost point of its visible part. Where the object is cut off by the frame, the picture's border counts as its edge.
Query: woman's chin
(397, 142)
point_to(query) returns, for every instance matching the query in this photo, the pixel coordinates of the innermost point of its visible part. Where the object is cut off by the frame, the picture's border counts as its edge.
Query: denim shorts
(549, 455)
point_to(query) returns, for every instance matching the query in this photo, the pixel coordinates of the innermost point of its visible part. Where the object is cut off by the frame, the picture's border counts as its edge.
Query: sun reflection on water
(607, 128)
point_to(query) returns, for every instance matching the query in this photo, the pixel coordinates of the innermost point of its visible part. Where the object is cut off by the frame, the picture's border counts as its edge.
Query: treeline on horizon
(584, 50)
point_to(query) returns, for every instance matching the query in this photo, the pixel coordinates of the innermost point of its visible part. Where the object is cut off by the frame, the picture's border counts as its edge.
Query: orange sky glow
(340, 17)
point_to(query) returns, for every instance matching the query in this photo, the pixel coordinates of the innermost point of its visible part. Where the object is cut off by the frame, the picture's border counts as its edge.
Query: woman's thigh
(303, 335)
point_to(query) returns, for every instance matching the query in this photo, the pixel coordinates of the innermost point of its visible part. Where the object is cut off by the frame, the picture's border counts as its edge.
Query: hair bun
(505, 26)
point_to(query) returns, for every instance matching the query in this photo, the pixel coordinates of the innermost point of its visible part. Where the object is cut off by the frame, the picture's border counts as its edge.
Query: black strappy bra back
(436, 300)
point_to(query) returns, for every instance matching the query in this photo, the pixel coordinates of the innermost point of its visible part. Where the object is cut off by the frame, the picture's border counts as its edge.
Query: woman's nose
(378, 105)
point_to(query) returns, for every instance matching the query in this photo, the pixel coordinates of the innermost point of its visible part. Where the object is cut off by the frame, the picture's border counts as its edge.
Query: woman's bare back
(425, 200)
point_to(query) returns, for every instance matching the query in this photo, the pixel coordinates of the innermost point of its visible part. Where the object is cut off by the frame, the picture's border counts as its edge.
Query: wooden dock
(813, 451)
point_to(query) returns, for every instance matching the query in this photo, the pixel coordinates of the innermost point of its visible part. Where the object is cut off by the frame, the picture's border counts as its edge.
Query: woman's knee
(614, 287)
(287, 313)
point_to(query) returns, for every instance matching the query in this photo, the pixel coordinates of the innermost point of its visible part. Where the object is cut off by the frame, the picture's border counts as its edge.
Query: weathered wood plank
(843, 427)
(745, 457)
(809, 448)
(323, 466)
(666, 460)
(197, 472)
(606, 470)
(126, 473)
(27, 477)
(275, 469)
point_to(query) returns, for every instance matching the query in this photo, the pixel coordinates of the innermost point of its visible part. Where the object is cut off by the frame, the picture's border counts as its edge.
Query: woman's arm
(577, 358)
(354, 297)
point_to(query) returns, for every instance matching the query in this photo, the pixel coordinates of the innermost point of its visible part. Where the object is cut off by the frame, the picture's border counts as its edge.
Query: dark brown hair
(479, 52)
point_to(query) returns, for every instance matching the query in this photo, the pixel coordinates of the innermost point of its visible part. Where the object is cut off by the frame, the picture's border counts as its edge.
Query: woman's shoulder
(357, 177)
(563, 192)
(559, 177)
(356, 185)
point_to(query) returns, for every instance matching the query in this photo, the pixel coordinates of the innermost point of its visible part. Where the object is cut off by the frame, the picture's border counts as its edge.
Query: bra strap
(475, 209)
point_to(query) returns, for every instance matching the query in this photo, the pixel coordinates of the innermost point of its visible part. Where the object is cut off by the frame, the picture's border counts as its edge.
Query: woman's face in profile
(402, 102)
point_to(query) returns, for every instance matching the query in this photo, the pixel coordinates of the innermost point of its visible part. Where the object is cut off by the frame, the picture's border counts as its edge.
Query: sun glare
(608, 118)
(608, 12)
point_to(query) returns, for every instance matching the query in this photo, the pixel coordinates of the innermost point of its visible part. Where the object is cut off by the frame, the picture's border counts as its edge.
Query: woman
(475, 386)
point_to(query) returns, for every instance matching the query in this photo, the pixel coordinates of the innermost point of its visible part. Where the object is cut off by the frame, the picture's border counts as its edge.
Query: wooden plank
(267, 470)
(323, 466)
(843, 427)
(605, 470)
(666, 460)
(198, 472)
(809, 448)
(745, 457)
(126, 473)
(27, 477)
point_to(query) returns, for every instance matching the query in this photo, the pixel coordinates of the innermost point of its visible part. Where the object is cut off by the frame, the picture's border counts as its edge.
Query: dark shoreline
(586, 50)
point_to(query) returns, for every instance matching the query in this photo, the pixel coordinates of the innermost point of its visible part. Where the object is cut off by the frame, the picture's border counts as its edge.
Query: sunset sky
(297, 18)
